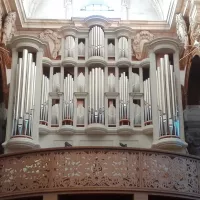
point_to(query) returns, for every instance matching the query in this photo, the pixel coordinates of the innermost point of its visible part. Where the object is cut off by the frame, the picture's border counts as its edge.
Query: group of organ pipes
(96, 111)
(24, 94)
(96, 99)
(166, 95)
(123, 109)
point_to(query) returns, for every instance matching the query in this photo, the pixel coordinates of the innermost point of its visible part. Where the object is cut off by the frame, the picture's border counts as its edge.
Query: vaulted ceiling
(152, 10)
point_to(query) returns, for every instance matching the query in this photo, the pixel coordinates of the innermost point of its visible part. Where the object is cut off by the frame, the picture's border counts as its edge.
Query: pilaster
(153, 79)
(38, 91)
(11, 94)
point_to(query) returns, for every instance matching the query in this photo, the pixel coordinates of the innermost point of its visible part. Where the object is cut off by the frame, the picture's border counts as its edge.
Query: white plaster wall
(55, 140)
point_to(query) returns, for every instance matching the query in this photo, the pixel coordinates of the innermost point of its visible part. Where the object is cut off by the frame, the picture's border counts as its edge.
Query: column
(106, 90)
(140, 196)
(106, 111)
(129, 49)
(116, 49)
(130, 96)
(87, 97)
(117, 90)
(142, 99)
(106, 48)
(50, 197)
(49, 112)
(179, 94)
(76, 48)
(39, 72)
(75, 99)
(11, 94)
(86, 48)
(154, 95)
(51, 79)
(62, 48)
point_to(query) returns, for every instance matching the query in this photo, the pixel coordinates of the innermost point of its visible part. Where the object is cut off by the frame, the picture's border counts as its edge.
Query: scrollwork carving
(138, 42)
(98, 169)
(181, 30)
(9, 27)
(54, 40)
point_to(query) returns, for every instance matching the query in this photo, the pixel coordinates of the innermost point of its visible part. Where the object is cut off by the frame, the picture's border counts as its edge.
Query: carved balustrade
(98, 169)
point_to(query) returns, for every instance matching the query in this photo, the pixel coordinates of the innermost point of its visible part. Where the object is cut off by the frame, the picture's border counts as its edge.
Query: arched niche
(193, 91)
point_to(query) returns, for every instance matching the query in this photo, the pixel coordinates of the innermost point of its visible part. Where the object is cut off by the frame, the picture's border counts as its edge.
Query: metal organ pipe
(111, 83)
(96, 96)
(96, 41)
(69, 47)
(147, 102)
(124, 96)
(24, 95)
(68, 107)
(123, 47)
(44, 100)
(167, 105)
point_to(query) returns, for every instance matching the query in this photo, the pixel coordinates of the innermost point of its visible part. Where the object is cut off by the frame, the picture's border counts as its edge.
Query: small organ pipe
(96, 41)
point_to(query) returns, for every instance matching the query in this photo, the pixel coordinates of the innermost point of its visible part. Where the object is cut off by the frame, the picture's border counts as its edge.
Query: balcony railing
(77, 169)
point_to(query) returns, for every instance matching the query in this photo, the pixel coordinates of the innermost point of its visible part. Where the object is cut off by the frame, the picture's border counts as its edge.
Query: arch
(193, 81)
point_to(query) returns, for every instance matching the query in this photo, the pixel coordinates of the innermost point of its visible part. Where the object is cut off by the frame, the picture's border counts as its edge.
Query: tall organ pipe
(44, 100)
(124, 96)
(96, 41)
(96, 96)
(24, 95)
(147, 102)
(69, 47)
(123, 47)
(167, 98)
(68, 105)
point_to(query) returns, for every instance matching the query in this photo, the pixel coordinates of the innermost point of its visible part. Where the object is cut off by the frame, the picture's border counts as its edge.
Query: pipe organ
(91, 89)
(111, 50)
(44, 100)
(24, 95)
(167, 98)
(56, 82)
(81, 49)
(70, 47)
(123, 47)
(68, 104)
(81, 83)
(96, 96)
(136, 82)
(124, 98)
(147, 102)
(96, 41)
(111, 82)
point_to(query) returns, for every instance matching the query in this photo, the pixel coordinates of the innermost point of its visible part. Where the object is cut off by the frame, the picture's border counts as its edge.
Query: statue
(181, 29)
(8, 29)
(54, 41)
